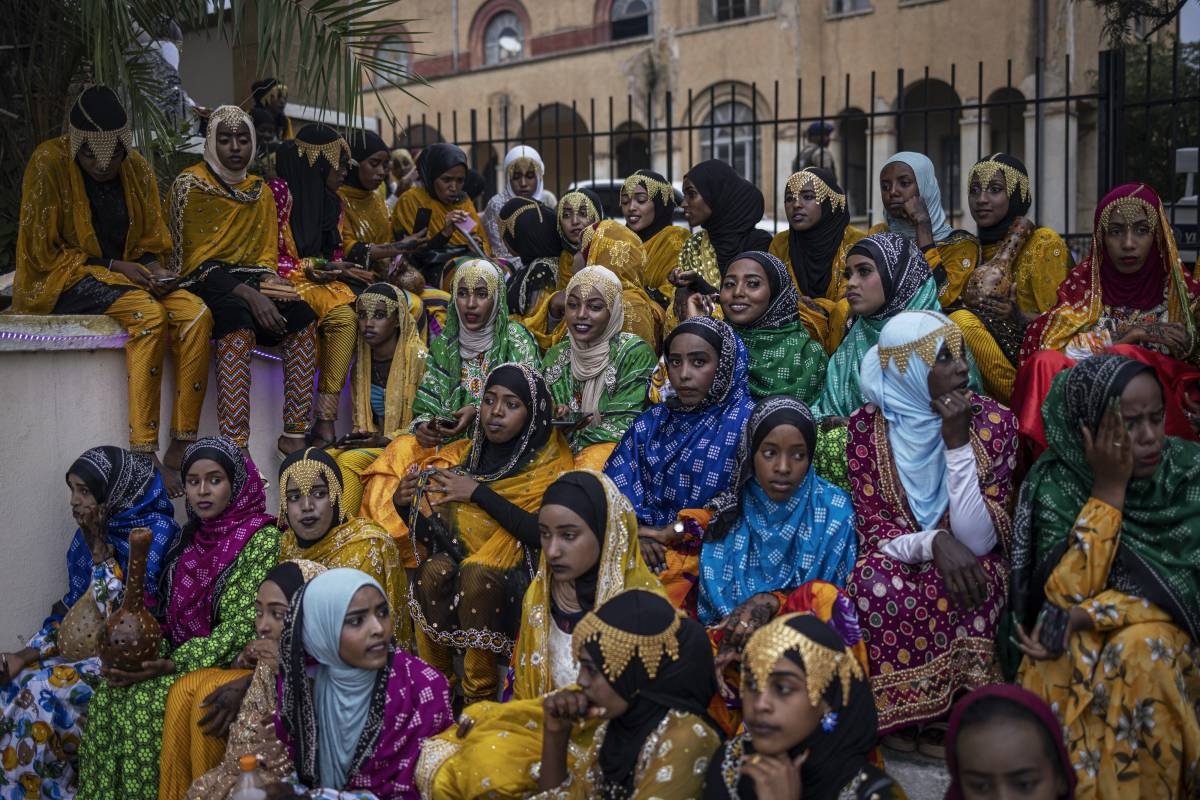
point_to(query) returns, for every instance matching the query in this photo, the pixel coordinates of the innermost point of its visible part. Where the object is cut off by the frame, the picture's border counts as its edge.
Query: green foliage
(1130, 19)
(1162, 112)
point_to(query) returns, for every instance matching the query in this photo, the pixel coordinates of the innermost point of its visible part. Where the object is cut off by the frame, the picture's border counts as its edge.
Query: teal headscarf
(927, 187)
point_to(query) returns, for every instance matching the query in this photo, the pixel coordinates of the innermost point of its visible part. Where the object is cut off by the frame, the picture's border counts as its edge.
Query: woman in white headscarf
(524, 175)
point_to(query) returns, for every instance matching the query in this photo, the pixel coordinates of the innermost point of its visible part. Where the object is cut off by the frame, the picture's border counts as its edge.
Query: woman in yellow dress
(439, 202)
(648, 203)
(589, 554)
(530, 230)
(814, 248)
(1106, 559)
(576, 211)
(610, 244)
(365, 226)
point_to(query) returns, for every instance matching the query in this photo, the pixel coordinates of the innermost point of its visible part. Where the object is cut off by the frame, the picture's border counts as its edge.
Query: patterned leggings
(233, 382)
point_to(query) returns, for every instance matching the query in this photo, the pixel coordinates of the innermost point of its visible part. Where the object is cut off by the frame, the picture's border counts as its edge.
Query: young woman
(439, 201)
(476, 527)
(402, 176)
(523, 177)
(814, 247)
(210, 579)
(599, 372)
(365, 227)
(1004, 740)
(680, 454)
(998, 194)
(478, 337)
(387, 373)
(611, 245)
(648, 203)
(530, 231)
(201, 706)
(646, 672)
(810, 721)
(225, 229)
(912, 207)
(1132, 297)
(1106, 587)
(931, 470)
(318, 529)
(589, 554)
(576, 210)
(270, 94)
(91, 241)
(357, 721)
(113, 491)
(310, 169)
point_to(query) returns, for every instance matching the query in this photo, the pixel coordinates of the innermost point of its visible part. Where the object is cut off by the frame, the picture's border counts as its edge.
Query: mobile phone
(168, 279)
(445, 422)
(422, 220)
(569, 420)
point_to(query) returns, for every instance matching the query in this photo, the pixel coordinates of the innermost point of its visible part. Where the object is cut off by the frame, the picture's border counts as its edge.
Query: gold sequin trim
(600, 279)
(655, 188)
(577, 200)
(926, 347)
(305, 473)
(332, 151)
(368, 301)
(1013, 177)
(508, 225)
(472, 273)
(102, 143)
(821, 664)
(802, 179)
(618, 647)
(1129, 206)
(523, 164)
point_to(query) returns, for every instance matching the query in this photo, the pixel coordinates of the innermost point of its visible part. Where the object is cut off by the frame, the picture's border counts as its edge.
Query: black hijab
(259, 91)
(324, 465)
(737, 206)
(1016, 181)
(287, 576)
(438, 159)
(583, 493)
(813, 251)
(902, 269)
(489, 462)
(304, 163)
(363, 145)
(683, 679)
(529, 229)
(661, 195)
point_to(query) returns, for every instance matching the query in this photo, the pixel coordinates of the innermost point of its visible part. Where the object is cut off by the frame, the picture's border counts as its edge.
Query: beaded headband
(1129, 206)
(798, 180)
(367, 301)
(278, 90)
(573, 200)
(508, 225)
(821, 664)
(102, 143)
(1013, 177)
(926, 347)
(600, 279)
(653, 187)
(332, 151)
(476, 270)
(523, 164)
(305, 473)
(232, 116)
(618, 647)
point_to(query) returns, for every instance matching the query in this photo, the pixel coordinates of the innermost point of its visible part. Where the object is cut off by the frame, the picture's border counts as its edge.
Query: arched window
(393, 49)
(728, 134)
(727, 10)
(630, 18)
(503, 40)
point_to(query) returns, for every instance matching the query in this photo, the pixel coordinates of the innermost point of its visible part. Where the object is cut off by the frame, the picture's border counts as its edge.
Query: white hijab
(519, 152)
(234, 118)
(470, 273)
(588, 364)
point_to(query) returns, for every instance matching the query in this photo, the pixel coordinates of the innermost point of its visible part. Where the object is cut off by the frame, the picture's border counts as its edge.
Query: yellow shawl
(610, 244)
(662, 256)
(364, 218)
(56, 236)
(408, 367)
(823, 317)
(237, 226)
(404, 216)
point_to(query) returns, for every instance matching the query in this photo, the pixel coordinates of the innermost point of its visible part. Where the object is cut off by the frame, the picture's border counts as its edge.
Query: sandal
(902, 741)
(932, 741)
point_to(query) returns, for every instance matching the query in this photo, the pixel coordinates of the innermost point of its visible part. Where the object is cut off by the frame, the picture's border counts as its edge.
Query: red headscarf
(1145, 288)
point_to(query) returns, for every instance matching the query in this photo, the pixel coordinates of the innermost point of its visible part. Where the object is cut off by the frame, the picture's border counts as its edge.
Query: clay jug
(132, 635)
(994, 278)
(81, 629)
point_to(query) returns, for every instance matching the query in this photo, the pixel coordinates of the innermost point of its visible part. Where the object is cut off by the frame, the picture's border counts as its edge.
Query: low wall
(62, 391)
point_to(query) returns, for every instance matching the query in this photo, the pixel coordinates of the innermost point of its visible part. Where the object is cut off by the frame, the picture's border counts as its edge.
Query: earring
(829, 721)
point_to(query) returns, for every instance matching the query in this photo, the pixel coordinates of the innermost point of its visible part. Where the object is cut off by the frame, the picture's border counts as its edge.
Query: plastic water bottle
(250, 784)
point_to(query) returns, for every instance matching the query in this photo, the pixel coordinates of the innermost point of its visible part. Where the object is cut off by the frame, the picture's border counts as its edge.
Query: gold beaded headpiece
(103, 143)
(803, 178)
(653, 187)
(601, 279)
(305, 473)
(308, 569)
(508, 225)
(925, 347)
(367, 301)
(575, 200)
(618, 647)
(523, 164)
(1013, 177)
(821, 664)
(1129, 205)
(278, 90)
(470, 273)
(332, 151)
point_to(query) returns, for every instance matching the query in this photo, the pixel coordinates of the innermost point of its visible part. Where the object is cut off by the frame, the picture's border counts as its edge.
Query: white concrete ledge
(23, 333)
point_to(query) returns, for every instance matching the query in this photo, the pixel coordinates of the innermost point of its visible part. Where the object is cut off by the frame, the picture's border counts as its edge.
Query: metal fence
(1125, 122)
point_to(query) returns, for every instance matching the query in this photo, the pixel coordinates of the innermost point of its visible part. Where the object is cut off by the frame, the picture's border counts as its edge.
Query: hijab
(1146, 288)
(784, 307)
(98, 120)
(927, 188)
(1016, 184)
(438, 159)
(529, 229)
(662, 196)
(262, 91)
(489, 462)
(234, 119)
(668, 667)
(579, 197)
(363, 145)
(209, 547)
(812, 252)
(520, 159)
(305, 162)
(737, 206)
(589, 364)
(470, 274)
(895, 377)
(304, 467)
(583, 493)
(131, 495)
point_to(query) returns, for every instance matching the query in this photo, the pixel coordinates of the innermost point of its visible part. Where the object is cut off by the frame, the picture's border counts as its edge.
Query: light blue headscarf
(927, 187)
(342, 693)
(914, 429)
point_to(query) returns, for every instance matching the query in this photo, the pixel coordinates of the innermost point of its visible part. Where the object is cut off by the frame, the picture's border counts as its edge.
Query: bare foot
(170, 478)
(173, 458)
(324, 433)
(290, 444)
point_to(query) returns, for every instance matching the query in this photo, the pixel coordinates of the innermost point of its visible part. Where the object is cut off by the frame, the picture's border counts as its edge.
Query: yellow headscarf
(408, 364)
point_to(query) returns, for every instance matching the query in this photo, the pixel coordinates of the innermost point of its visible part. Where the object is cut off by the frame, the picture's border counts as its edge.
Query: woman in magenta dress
(931, 467)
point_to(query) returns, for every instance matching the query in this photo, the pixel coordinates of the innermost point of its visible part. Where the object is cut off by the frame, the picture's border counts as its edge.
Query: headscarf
(1158, 557)
(262, 91)
(438, 159)
(1016, 184)
(519, 159)
(589, 200)
(131, 495)
(662, 196)
(305, 163)
(363, 145)
(908, 285)
(234, 119)
(755, 544)
(529, 229)
(407, 367)
(895, 377)
(1145, 288)
(98, 120)
(289, 576)
(584, 493)
(675, 457)
(209, 547)
(342, 696)
(736, 205)
(812, 252)
(835, 677)
(589, 364)
(490, 462)
(927, 188)
(470, 274)
(657, 661)
(1022, 704)
(304, 467)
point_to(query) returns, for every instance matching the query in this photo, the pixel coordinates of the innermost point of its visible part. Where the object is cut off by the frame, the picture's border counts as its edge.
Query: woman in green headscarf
(1106, 579)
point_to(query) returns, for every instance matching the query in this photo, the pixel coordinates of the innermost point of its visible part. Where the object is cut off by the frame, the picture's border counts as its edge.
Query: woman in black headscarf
(530, 230)
(365, 227)
(439, 206)
(270, 94)
(648, 203)
(647, 673)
